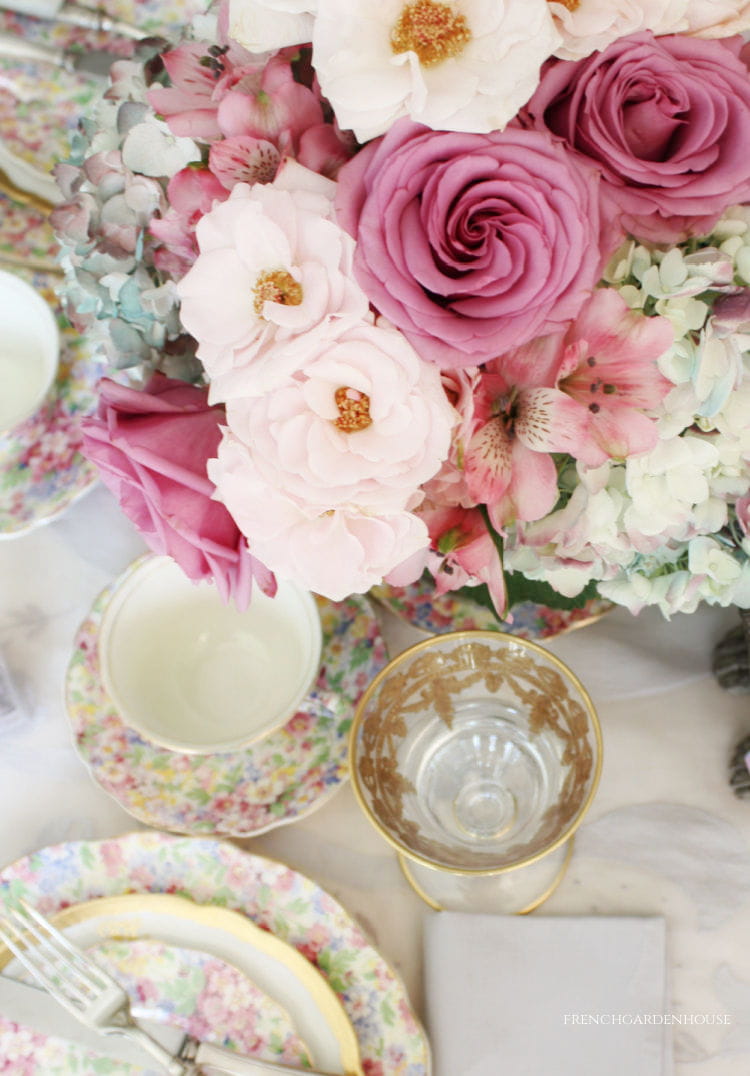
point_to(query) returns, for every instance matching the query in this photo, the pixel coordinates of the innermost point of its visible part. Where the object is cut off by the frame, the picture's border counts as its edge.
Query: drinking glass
(476, 754)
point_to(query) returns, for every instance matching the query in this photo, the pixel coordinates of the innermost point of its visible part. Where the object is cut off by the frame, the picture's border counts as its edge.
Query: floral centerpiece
(457, 287)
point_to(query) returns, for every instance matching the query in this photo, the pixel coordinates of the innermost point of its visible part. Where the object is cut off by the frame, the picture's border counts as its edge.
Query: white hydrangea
(669, 485)
(719, 568)
(672, 592)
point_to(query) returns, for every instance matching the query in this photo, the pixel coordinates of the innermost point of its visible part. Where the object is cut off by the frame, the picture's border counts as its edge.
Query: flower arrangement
(435, 285)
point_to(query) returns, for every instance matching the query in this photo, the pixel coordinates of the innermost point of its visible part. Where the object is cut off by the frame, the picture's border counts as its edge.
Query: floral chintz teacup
(29, 356)
(193, 674)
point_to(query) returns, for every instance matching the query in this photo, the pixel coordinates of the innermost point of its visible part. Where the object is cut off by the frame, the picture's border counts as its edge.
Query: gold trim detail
(125, 910)
(536, 903)
(430, 676)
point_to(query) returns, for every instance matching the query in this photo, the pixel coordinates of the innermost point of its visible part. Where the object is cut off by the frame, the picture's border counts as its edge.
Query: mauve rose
(151, 447)
(666, 119)
(471, 243)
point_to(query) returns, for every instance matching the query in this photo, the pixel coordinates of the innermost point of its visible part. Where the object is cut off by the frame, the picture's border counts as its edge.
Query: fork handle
(166, 1058)
(212, 1058)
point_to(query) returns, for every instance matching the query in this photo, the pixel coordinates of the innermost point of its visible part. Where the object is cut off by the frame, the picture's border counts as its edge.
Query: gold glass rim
(470, 636)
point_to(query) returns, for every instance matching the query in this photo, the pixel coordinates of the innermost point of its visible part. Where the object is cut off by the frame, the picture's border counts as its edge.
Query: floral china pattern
(198, 993)
(277, 898)
(29, 126)
(41, 468)
(418, 606)
(25, 233)
(289, 773)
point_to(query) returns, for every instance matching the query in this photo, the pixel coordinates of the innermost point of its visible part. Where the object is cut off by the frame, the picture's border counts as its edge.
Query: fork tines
(48, 955)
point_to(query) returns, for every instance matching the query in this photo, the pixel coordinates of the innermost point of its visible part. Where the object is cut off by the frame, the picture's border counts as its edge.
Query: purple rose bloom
(471, 244)
(666, 119)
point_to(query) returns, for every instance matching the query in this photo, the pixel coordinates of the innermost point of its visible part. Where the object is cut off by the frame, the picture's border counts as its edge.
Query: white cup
(29, 352)
(190, 673)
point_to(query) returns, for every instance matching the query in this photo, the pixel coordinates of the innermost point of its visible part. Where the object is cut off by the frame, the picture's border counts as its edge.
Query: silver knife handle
(216, 1059)
(18, 48)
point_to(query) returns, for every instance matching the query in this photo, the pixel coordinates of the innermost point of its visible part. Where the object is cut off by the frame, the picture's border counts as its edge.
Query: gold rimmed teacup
(476, 755)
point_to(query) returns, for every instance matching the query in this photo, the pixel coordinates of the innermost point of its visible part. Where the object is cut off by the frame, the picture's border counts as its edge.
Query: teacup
(476, 755)
(29, 353)
(193, 674)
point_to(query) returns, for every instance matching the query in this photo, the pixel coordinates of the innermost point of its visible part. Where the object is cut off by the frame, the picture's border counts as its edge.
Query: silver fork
(76, 981)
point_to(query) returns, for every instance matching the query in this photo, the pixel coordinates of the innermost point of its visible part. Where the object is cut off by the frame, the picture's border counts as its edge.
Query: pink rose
(471, 243)
(665, 119)
(323, 471)
(151, 448)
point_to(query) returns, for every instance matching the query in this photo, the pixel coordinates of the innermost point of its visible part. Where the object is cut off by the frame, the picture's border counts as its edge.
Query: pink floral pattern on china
(40, 104)
(42, 471)
(286, 775)
(418, 606)
(276, 898)
(196, 992)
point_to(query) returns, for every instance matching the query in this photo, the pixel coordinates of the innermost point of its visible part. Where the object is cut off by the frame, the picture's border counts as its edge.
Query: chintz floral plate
(183, 963)
(418, 606)
(276, 780)
(276, 898)
(194, 991)
(42, 471)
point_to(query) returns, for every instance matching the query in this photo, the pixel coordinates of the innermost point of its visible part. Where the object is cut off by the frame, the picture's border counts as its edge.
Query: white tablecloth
(665, 835)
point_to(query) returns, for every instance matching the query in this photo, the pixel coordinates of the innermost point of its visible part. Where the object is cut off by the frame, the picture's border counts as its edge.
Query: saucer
(277, 780)
(42, 471)
(418, 606)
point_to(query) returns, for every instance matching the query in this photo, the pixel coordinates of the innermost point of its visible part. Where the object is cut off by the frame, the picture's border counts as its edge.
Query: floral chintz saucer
(418, 606)
(42, 471)
(284, 776)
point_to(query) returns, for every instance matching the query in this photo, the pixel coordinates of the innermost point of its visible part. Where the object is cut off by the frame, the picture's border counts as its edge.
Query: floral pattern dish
(42, 471)
(29, 127)
(294, 908)
(418, 606)
(185, 988)
(286, 775)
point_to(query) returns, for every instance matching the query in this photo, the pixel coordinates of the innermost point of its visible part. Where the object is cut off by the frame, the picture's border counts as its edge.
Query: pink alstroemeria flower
(583, 392)
(228, 92)
(466, 552)
(507, 461)
(609, 368)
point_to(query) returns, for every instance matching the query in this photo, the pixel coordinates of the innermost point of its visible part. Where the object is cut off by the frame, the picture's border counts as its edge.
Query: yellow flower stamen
(432, 30)
(354, 410)
(276, 286)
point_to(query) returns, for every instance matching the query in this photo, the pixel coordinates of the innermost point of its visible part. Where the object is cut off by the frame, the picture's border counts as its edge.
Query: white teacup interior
(29, 350)
(194, 674)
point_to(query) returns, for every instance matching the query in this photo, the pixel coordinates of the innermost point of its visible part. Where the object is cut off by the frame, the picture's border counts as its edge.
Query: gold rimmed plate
(158, 942)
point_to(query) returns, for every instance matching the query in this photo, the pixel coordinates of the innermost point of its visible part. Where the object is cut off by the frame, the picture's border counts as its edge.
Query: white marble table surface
(664, 836)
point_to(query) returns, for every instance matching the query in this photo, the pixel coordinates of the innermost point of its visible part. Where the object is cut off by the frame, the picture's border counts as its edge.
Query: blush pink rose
(667, 120)
(151, 447)
(471, 243)
(323, 472)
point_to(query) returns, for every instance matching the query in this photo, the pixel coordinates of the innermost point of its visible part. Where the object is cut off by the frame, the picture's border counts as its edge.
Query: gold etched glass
(476, 754)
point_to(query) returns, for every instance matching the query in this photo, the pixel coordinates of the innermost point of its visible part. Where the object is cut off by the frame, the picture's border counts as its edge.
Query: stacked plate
(229, 947)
